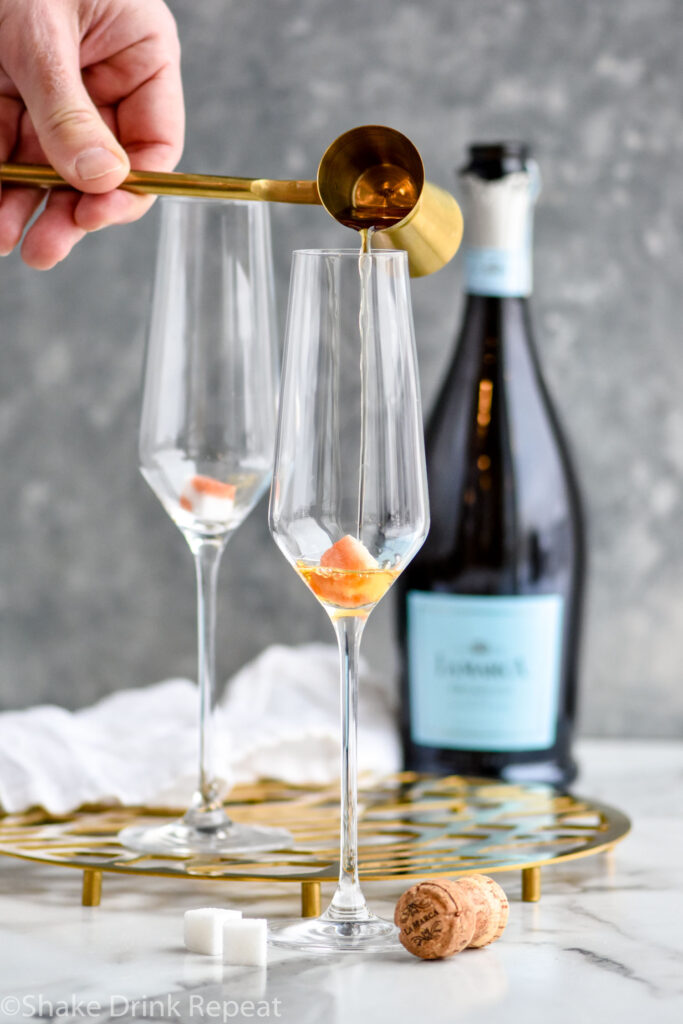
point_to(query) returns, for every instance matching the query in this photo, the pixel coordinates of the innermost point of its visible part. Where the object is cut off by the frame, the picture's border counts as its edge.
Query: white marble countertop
(604, 943)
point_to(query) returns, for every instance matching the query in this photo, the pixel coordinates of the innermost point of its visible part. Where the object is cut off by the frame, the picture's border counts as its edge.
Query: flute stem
(348, 902)
(208, 800)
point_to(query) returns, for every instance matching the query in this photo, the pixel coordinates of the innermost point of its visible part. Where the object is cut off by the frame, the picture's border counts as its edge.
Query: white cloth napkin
(278, 717)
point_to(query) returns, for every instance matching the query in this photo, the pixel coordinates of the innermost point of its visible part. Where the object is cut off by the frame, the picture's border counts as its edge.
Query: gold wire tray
(410, 827)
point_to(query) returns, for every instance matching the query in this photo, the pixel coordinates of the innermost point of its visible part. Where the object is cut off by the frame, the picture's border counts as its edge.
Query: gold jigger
(369, 177)
(373, 176)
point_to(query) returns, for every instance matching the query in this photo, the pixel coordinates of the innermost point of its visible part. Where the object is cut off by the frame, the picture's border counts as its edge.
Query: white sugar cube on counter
(207, 498)
(245, 942)
(203, 929)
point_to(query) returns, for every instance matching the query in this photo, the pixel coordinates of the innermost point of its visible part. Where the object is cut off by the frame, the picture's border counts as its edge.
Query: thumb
(73, 136)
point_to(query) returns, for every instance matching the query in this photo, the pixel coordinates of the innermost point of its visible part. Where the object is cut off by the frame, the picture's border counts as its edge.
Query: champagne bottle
(490, 608)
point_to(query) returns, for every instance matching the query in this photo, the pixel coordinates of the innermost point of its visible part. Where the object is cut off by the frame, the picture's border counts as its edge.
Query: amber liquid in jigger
(383, 196)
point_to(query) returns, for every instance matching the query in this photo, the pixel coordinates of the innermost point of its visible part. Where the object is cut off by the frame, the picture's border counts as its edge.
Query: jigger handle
(178, 184)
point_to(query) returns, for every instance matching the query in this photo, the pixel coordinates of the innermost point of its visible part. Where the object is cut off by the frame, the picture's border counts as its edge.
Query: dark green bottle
(490, 608)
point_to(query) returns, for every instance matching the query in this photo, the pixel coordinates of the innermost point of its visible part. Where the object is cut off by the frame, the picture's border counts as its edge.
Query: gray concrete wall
(96, 584)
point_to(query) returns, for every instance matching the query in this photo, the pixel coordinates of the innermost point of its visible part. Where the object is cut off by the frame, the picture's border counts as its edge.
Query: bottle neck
(486, 307)
(499, 223)
(492, 325)
(498, 273)
(496, 331)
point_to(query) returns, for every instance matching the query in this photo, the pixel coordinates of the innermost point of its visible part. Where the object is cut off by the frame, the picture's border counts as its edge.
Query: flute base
(211, 833)
(328, 934)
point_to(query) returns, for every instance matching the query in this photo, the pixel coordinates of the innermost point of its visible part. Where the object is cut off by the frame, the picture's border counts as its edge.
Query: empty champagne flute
(348, 504)
(206, 445)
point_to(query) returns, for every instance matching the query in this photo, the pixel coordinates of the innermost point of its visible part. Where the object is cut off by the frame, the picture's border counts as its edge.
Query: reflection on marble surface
(603, 944)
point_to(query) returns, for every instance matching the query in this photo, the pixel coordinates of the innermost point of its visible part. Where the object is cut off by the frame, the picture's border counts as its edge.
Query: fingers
(10, 115)
(17, 205)
(16, 209)
(42, 58)
(133, 69)
(151, 125)
(54, 233)
(95, 212)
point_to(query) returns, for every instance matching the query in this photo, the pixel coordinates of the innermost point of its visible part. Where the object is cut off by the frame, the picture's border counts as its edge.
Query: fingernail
(96, 162)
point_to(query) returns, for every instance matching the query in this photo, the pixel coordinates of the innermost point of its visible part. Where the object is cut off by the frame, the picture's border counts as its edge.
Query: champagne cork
(490, 906)
(442, 917)
(435, 919)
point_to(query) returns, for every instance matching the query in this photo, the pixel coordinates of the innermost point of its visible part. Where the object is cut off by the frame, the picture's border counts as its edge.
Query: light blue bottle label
(504, 272)
(484, 671)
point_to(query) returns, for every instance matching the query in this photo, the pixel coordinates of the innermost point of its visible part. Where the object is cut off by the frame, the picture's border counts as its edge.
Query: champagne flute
(206, 442)
(348, 504)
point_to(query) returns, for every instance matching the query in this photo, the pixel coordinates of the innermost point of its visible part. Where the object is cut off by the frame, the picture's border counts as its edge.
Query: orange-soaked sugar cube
(208, 498)
(207, 485)
(348, 553)
(348, 576)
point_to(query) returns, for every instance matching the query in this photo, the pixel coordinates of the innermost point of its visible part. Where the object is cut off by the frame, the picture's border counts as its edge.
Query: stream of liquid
(383, 197)
(365, 327)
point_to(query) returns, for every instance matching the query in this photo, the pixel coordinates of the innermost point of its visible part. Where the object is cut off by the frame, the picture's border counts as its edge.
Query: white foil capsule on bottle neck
(498, 232)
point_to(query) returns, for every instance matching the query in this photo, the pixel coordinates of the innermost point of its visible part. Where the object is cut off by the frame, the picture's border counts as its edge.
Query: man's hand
(93, 88)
